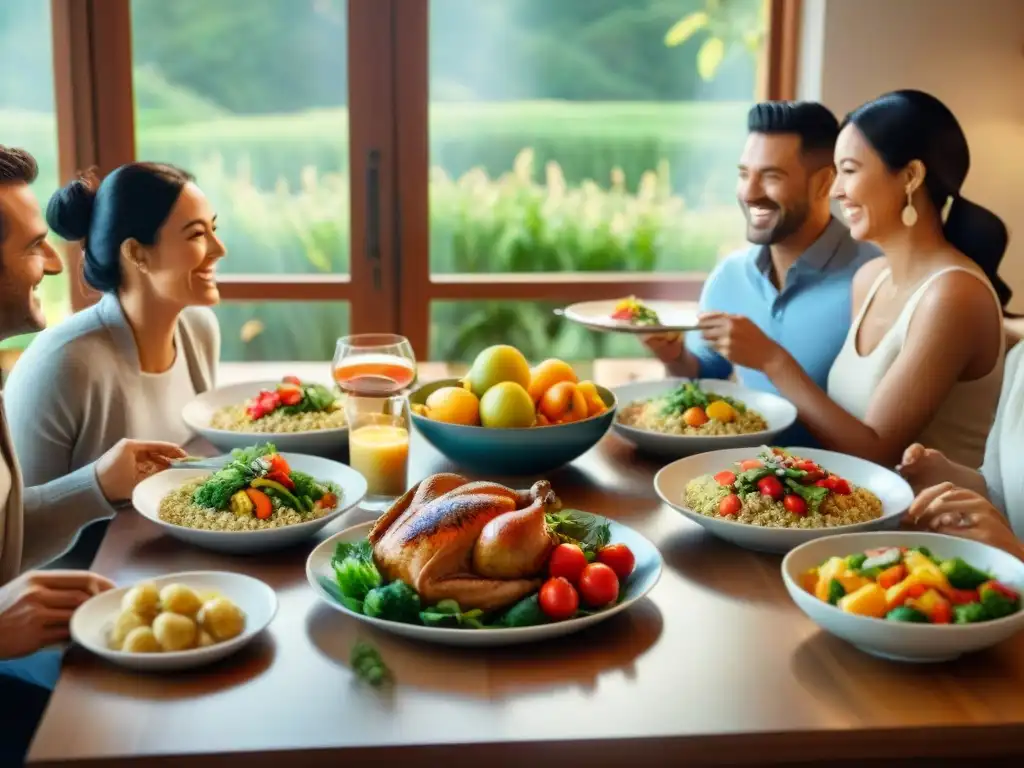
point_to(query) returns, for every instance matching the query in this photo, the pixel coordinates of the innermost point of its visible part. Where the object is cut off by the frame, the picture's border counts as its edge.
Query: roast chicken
(478, 543)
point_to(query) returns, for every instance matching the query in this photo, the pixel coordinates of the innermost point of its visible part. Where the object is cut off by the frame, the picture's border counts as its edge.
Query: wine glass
(374, 364)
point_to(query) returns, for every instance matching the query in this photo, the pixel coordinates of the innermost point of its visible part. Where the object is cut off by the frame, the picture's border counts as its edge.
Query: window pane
(569, 136)
(27, 119)
(250, 95)
(278, 331)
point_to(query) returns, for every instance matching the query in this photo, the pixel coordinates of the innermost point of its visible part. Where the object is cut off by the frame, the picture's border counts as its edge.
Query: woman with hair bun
(126, 366)
(923, 361)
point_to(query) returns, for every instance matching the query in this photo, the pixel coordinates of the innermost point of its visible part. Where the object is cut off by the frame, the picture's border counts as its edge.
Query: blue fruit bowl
(529, 451)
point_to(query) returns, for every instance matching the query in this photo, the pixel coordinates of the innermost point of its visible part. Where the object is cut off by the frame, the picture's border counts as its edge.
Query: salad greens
(688, 395)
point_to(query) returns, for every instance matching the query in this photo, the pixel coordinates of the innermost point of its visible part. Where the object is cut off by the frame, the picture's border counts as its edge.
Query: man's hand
(36, 607)
(130, 462)
(672, 351)
(739, 340)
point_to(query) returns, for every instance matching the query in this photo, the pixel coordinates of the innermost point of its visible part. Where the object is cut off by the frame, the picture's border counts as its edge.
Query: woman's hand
(740, 341)
(130, 462)
(924, 467)
(955, 511)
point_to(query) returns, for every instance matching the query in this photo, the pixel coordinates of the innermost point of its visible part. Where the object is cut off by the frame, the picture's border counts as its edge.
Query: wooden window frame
(388, 117)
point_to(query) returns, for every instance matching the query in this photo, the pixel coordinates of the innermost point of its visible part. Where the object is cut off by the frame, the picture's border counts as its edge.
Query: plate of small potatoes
(175, 622)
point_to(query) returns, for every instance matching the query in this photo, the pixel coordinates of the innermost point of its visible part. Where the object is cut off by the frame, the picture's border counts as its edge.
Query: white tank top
(961, 425)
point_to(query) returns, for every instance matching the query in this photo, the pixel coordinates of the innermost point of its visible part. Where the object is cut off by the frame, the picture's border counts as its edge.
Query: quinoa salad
(256, 491)
(691, 411)
(779, 490)
(292, 406)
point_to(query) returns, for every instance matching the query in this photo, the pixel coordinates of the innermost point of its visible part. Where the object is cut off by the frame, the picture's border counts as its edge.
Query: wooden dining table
(715, 666)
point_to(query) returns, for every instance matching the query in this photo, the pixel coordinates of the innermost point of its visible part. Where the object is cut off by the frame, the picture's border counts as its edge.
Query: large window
(27, 117)
(447, 169)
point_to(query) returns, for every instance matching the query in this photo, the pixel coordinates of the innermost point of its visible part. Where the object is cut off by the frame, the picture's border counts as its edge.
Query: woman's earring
(909, 214)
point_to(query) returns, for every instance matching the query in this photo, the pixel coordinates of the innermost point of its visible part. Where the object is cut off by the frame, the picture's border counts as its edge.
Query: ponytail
(981, 236)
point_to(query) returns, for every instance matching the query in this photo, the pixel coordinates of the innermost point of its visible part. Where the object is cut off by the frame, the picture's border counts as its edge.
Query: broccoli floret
(963, 575)
(996, 602)
(906, 613)
(971, 613)
(396, 601)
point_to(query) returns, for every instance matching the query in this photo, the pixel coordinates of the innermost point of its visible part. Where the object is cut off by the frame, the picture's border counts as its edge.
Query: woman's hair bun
(69, 212)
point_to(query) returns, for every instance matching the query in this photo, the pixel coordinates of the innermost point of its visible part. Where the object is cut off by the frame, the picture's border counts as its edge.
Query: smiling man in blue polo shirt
(794, 281)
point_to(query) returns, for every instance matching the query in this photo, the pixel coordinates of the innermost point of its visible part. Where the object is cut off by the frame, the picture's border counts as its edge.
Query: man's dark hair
(16, 166)
(813, 122)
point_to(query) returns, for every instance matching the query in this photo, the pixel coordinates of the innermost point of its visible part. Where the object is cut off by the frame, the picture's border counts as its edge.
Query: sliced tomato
(278, 463)
(292, 380)
(961, 596)
(806, 465)
(290, 395)
(748, 464)
(725, 478)
(282, 478)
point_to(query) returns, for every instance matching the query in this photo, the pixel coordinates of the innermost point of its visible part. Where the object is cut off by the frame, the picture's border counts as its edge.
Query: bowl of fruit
(506, 417)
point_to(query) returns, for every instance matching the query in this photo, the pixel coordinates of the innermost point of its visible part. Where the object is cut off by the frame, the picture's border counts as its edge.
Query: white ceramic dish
(199, 411)
(148, 494)
(597, 316)
(778, 412)
(896, 495)
(895, 640)
(643, 579)
(93, 620)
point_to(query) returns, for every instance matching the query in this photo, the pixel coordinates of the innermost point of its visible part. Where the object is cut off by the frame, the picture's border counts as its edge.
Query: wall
(969, 53)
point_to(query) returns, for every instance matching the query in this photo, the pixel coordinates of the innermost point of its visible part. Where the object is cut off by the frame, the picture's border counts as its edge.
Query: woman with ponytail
(923, 361)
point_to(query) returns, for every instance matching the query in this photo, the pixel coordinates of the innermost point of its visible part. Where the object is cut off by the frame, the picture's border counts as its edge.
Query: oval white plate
(94, 618)
(643, 579)
(148, 494)
(896, 495)
(199, 411)
(596, 315)
(895, 640)
(778, 412)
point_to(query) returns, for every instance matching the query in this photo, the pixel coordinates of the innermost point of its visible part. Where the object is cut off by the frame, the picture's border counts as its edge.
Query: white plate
(597, 316)
(899, 641)
(199, 411)
(148, 494)
(643, 579)
(893, 490)
(779, 413)
(92, 621)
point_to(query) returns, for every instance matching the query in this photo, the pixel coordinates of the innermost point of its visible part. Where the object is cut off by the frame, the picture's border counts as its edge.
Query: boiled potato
(221, 618)
(125, 622)
(174, 632)
(142, 599)
(177, 598)
(141, 640)
(204, 640)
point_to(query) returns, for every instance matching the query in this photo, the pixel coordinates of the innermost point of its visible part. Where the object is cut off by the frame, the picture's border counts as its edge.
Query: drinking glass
(374, 364)
(378, 446)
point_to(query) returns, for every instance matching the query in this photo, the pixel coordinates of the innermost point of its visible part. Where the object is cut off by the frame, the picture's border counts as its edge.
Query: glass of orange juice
(378, 446)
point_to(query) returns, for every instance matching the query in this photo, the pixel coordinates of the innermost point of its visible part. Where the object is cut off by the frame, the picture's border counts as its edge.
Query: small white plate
(643, 579)
(779, 413)
(896, 640)
(149, 493)
(894, 492)
(92, 621)
(597, 316)
(198, 413)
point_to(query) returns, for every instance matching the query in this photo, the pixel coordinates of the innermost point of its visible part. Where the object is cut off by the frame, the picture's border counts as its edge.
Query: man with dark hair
(794, 282)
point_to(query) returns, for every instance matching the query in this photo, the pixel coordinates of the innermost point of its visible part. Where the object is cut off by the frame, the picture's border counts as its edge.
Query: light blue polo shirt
(810, 317)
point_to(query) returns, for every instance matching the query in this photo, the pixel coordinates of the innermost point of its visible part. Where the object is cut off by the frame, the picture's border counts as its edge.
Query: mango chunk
(833, 568)
(869, 600)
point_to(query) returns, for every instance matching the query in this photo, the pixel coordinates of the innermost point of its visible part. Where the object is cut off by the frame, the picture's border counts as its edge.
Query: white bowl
(643, 579)
(92, 621)
(148, 494)
(778, 412)
(894, 492)
(899, 641)
(198, 413)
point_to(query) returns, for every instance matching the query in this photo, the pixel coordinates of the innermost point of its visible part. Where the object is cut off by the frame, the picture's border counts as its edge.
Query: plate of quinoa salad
(774, 499)
(295, 415)
(256, 501)
(676, 417)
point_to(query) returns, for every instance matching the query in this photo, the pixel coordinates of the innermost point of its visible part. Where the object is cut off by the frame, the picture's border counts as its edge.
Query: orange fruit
(595, 404)
(545, 375)
(563, 403)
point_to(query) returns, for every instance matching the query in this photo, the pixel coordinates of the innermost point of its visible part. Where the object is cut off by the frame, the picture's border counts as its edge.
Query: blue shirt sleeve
(711, 364)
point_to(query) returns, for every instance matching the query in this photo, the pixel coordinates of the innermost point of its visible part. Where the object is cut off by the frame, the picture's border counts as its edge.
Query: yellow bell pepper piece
(833, 568)
(869, 600)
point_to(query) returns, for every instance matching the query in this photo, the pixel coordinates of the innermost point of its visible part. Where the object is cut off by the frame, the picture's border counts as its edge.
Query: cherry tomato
(279, 463)
(725, 478)
(795, 504)
(292, 380)
(599, 585)
(619, 558)
(290, 395)
(327, 501)
(827, 482)
(748, 464)
(730, 505)
(558, 599)
(942, 613)
(770, 486)
(841, 487)
(568, 562)
(806, 465)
